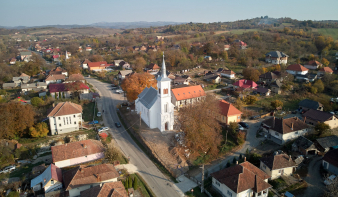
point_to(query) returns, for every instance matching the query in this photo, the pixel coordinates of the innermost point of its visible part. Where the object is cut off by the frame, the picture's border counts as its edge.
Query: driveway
(314, 179)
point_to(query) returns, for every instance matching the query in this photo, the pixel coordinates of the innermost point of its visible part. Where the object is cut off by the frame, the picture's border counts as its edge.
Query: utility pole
(140, 121)
(202, 185)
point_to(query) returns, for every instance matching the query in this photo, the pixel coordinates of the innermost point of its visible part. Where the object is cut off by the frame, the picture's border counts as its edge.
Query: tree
(135, 186)
(325, 62)
(224, 55)
(111, 155)
(276, 104)
(63, 95)
(319, 85)
(313, 90)
(55, 95)
(96, 58)
(130, 182)
(250, 99)
(75, 87)
(321, 127)
(202, 130)
(40, 130)
(15, 118)
(251, 74)
(31, 68)
(139, 64)
(135, 84)
(234, 160)
(36, 101)
(238, 104)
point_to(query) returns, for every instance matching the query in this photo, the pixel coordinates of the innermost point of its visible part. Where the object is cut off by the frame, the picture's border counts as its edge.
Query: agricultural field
(333, 32)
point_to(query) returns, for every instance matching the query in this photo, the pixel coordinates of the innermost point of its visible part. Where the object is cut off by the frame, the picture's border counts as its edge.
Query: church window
(166, 107)
(165, 91)
(159, 90)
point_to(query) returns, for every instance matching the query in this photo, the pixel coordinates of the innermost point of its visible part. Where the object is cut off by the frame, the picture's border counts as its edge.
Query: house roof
(211, 76)
(314, 63)
(24, 75)
(153, 66)
(82, 175)
(309, 104)
(296, 67)
(54, 77)
(262, 90)
(148, 97)
(76, 149)
(188, 92)
(268, 75)
(97, 64)
(276, 54)
(86, 61)
(316, 115)
(279, 161)
(276, 83)
(23, 53)
(326, 69)
(125, 72)
(328, 142)
(284, 126)
(111, 189)
(75, 77)
(304, 143)
(332, 157)
(56, 87)
(52, 172)
(65, 108)
(243, 177)
(243, 83)
(228, 109)
(33, 85)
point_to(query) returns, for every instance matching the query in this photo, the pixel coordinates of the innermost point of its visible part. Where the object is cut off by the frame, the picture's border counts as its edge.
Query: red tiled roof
(296, 67)
(75, 77)
(76, 149)
(314, 63)
(188, 92)
(153, 66)
(53, 77)
(56, 173)
(326, 69)
(65, 108)
(56, 87)
(86, 61)
(112, 189)
(243, 83)
(284, 126)
(98, 64)
(228, 109)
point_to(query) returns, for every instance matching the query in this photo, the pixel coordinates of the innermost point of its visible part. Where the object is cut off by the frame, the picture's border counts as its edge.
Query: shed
(324, 144)
(304, 146)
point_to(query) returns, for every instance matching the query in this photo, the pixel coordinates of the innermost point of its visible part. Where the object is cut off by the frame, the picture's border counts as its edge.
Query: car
(329, 180)
(98, 114)
(117, 124)
(7, 169)
(114, 88)
(119, 91)
(103, 129)
(240, 127)
(243, 124)
(255, 117)
(94, 122)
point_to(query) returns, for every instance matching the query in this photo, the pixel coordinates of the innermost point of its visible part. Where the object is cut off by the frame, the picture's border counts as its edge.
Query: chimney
(304, 119)
(273, 122)
(291, 125)
(53, 104)
(66, 145)
(244, 159)
(290, 158)
(236, 162)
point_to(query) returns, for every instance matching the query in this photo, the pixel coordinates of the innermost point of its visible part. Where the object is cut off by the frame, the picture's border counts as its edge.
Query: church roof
(148, 97)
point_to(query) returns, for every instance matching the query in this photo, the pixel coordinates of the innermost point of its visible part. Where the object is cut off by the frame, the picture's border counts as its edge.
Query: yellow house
(277, 165)
(228, 113)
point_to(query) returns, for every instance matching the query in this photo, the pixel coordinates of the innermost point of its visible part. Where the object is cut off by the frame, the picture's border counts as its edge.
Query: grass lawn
(241, 31)
(87, 114)
(236, 68)
(288, 103)
(212, 87)
(333, 32)
(277, 183)
(23, 170)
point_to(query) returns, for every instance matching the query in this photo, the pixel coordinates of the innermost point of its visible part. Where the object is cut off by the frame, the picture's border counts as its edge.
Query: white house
(122, 74)
(284, 130)
(243, 180)
(297, 69)
(58, 78)
(155, 106)
(276, 57)
(65, 117)
(228, 74)
(181, 97)
(277, 165)
(82, 178)
(49, 180)
(313, 65)
(85, 64)
(33, 86)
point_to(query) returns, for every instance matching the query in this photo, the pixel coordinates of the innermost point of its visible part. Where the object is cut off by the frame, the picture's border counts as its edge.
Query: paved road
(160, 185)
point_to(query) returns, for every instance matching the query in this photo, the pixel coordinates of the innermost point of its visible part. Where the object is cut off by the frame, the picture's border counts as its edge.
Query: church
(155, 106)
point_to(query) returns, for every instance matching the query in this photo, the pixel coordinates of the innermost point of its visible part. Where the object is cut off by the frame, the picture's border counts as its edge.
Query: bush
(250, 99)
(40, 130)
(36, 101)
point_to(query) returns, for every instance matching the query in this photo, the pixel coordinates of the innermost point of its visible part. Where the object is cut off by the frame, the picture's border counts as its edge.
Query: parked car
(7, 169)
(117, 124)
(114, 88)
(94, 122)
(103, 129)
(334, 99)
(240, 127)
(98, 114)
(329, 180)
(119, 91)
(255, 117)
(243, 124)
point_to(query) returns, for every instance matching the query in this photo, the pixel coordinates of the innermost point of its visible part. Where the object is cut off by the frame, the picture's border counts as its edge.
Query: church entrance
(166, 126)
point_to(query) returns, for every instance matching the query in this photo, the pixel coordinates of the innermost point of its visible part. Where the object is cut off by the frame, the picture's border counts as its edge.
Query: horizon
(76, 12)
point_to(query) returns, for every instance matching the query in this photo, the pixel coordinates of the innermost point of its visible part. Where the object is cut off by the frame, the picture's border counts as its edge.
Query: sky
(84, 12)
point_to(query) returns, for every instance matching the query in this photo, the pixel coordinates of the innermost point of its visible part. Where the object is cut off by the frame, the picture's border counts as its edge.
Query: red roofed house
(75, 77)
(229, 113)
(297, 69)
(240, 180)
(278, 165)
(85, 64)
(58, 88)
(81, 178)
(186, 95)
(243, 83)
(49, 180)
(325, 70)
(77, 152)
(111, 189)
(65, 117)
(97, 66)
(313, 65)
(58, 71)
(88, 48)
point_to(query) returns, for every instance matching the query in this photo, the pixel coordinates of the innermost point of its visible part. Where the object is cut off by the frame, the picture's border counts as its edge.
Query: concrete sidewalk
(185, 184)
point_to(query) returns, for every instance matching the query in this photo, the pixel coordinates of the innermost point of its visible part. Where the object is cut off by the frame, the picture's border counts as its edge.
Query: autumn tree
(321, 127)
(36, 101)
(72, 68)
(202, 130)
(325, 62)
(250, 99)
(75, 87)
(135, 84)
(319, 85)
(15, 118)
(139, 64)
(40, 130)
(251, 74)
(31, 68)
(276, 104)
(96, 58)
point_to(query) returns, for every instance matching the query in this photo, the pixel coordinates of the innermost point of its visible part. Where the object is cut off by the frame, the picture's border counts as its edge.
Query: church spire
(164, 72)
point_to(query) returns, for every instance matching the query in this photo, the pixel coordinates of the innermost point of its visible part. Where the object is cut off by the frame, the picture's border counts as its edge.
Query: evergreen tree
(234, 160)
(60, 95)
(63, 95)
(130, 182)
(55, 95)
(228, 164)
(135, 186)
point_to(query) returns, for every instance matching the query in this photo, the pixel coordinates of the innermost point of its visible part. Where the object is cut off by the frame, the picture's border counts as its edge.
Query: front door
(166, 126)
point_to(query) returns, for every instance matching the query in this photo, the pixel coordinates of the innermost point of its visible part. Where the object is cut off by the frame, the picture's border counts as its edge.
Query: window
(159, 90)
(59, 118)
(229, 193)
(165, 91)
(75, 122)
(52, 182)
(60, 125)
(166, 107)
(217, 183)
(74, 116)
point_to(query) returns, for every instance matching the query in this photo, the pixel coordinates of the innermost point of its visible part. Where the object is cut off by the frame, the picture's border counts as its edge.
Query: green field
(333, 32)
(287, 24)
(241, 31)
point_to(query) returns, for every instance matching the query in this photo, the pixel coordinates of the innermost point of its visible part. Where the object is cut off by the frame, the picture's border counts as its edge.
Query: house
(297, 69)
(313, 65)
(270, 77)
(228, 113)
(324, 70)
(12, 61)
(262, 91)
(49, 180)
(55, 78)
(245, 84)
(75, 77)
(276, 57)
(60, 88)
(117, 62)
(226, 47)
(56, 58)
(97, 66)
(153, 67)
(23, 78)
(283, 130)
(110, 189)
(25, 55)
(309, 77)
(89, 49)
(313, 117)
(330, 161)
(180, 80)
(122, 74)
(213, 78)
(34, 86)
(125, 65)
(239, 180)
(77, 152)
(209, 58)
(10, 85)
(277, 165)
(304, 146)
(58, 71)
(325, 144)
(226, 73)
(276, 87)
(82, 178)
(307, 104)
(84, 64)
(241, 44)
(186, 95)
(65, 117)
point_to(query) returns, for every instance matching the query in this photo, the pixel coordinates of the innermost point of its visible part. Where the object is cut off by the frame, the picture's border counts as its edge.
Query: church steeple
(163, 71)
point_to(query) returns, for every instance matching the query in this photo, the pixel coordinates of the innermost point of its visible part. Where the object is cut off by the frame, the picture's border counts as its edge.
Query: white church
(155, 106)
